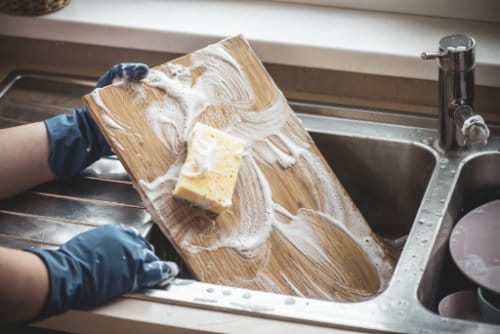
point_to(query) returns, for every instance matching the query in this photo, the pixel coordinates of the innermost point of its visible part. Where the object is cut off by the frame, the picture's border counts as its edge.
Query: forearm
(24, 285)
(24, 153)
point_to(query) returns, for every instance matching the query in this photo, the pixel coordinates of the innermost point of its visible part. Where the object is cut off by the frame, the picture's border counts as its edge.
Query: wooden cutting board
(292, 228)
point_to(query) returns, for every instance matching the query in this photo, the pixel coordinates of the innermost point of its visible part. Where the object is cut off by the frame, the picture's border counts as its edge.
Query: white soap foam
(112, 123)
(163, 185)
(204, 155)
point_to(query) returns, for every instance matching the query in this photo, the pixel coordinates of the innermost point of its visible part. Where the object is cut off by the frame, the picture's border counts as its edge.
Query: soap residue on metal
(205, 300)
(223, 83)
(252, 307)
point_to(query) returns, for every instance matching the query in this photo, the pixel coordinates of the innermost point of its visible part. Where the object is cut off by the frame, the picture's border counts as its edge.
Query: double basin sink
(407, 189)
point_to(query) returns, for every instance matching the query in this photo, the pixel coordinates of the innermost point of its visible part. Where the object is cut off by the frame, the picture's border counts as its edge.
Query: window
(481, 10)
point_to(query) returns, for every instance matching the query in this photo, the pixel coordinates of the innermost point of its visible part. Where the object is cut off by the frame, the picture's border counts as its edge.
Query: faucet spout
(472, 126)
(459, 125)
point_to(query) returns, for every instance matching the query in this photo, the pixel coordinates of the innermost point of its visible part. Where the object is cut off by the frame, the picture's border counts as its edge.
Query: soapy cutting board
(292, 227)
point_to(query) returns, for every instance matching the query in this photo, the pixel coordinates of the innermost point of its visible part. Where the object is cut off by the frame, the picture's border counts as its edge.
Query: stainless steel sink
(477, 182)
(402, 184)
(385, 178)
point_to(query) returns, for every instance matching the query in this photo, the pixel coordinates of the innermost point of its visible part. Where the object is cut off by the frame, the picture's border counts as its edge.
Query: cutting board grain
(292, 228)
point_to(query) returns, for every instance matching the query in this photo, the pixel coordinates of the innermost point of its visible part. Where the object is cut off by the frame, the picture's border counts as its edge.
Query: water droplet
(226, 292)
(210, 290)
(289, 301)
(247, 295)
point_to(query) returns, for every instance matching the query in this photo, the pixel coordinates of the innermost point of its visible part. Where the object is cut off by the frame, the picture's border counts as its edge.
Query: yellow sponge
(209, 174)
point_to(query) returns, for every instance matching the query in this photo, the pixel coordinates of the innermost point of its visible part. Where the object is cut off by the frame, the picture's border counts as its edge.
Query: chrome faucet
(459, 125)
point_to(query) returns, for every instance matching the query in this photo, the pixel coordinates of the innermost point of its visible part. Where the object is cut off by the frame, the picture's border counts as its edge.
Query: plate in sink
(475, 245)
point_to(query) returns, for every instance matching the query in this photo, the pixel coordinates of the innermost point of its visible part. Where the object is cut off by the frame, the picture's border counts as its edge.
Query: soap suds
(112, 123)
(205, 154)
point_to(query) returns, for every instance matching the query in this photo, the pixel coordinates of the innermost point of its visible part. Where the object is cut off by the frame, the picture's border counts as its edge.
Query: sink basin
(478, 183)
(386, 179)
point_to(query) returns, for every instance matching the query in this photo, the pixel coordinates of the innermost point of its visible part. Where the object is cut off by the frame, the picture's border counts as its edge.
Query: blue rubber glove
(99, 265)
(75, 140)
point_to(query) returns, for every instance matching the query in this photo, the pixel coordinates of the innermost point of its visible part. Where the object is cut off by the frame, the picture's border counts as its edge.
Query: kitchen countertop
(283, 33)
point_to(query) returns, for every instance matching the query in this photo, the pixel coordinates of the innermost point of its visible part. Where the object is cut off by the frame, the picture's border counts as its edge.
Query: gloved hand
(75, 140)
(99, 265)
